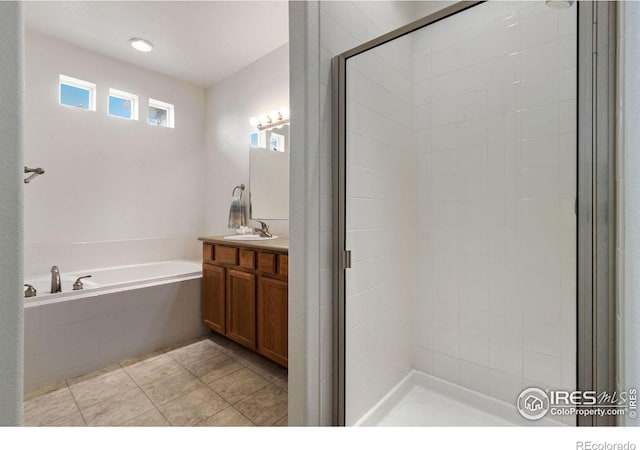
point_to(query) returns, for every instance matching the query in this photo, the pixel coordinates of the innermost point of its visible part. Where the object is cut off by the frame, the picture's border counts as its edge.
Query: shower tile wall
(344, 25)
(494, 125)
(380, 224)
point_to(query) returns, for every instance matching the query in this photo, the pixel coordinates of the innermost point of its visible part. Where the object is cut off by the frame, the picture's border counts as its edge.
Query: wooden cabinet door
(272, 317)
(213, 297)
(241, 307)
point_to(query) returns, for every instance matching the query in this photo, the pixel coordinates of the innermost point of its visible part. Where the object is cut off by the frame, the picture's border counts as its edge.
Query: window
(161, 113)
(259, 139)
(77, 93)
(122, 104)
(276, 142)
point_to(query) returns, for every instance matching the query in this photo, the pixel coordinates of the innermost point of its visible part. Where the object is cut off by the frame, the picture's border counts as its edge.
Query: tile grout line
(234, 355)
(76, 402)
(246, 398)
(145, 394)
(190, 372)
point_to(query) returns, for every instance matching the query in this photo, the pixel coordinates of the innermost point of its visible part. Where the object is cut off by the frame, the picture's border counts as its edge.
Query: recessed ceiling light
(560, 4)
(141, 44)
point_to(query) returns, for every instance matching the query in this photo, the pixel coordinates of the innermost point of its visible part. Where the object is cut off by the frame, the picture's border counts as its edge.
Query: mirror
(269, 174)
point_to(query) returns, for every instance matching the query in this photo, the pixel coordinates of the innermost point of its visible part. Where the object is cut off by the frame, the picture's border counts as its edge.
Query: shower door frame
(595, 202)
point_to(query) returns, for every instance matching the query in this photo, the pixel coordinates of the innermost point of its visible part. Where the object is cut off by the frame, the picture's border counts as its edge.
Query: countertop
(280, 244)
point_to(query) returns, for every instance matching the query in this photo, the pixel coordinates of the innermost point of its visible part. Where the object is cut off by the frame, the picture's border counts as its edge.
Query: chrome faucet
(264, 230)
(56, 285)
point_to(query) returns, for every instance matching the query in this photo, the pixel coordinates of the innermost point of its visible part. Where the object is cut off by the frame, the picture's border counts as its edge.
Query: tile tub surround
(170, 387)
(68, 338)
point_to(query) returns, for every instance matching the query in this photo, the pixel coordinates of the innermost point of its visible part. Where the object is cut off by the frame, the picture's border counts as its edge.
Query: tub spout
(56, 286)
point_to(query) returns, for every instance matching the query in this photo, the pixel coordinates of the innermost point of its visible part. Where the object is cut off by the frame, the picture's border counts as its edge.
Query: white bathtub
(122, 312)
(113, 278)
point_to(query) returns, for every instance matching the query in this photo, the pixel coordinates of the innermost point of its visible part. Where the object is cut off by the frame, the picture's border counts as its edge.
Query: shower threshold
(422, 400)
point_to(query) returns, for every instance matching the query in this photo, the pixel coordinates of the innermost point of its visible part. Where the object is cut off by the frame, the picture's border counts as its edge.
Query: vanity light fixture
(141, 45)
(272, 120)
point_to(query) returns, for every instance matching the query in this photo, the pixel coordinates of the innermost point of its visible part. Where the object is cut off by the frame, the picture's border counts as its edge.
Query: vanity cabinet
(241, 307)
(273, 326)
(245, 295)
(213, 297)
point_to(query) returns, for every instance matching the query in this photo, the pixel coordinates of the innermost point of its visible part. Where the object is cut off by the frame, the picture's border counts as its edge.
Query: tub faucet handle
(30, 291)
(78, 284)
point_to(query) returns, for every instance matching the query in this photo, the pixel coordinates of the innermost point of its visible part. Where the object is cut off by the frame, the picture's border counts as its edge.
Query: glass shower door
(460, 217)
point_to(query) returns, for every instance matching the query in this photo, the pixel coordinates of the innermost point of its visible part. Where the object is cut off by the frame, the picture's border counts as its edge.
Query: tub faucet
(56, 286)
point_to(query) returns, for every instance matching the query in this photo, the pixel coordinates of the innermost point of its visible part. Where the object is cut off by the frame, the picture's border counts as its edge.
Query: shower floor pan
(421, 400)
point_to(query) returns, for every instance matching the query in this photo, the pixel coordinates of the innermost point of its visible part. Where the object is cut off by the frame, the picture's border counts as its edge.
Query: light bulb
(285, 113)
(254, 121)
(263, 120)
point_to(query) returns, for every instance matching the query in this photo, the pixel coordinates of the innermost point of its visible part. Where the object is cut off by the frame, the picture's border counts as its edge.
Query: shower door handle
(346, 259)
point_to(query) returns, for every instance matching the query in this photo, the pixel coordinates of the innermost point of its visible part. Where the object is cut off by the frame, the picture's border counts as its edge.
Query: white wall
(628, 186)
(11, 315)
(259, 88)
(495, 133)
(115, 191)
(304, 201)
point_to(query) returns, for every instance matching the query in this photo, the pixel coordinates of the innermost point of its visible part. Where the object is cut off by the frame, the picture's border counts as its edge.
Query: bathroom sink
(249, 237)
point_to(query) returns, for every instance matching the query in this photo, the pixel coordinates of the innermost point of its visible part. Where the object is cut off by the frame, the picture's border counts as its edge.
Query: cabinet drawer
(267, 263)
(283, 265)
(247, 259)
(207, 252)
(225, 255)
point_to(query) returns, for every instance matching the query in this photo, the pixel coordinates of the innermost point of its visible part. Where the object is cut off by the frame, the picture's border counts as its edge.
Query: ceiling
(201, 42)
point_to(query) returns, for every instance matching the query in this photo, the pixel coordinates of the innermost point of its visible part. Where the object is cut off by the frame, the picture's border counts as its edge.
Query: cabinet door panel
(241, 307)
(213, 297)
(273, 332)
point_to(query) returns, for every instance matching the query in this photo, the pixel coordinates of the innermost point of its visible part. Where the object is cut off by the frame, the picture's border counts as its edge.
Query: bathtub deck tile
(152, 369)
(104, 385)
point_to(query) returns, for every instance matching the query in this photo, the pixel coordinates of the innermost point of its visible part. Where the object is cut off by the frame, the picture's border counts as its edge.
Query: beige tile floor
(207, 382)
